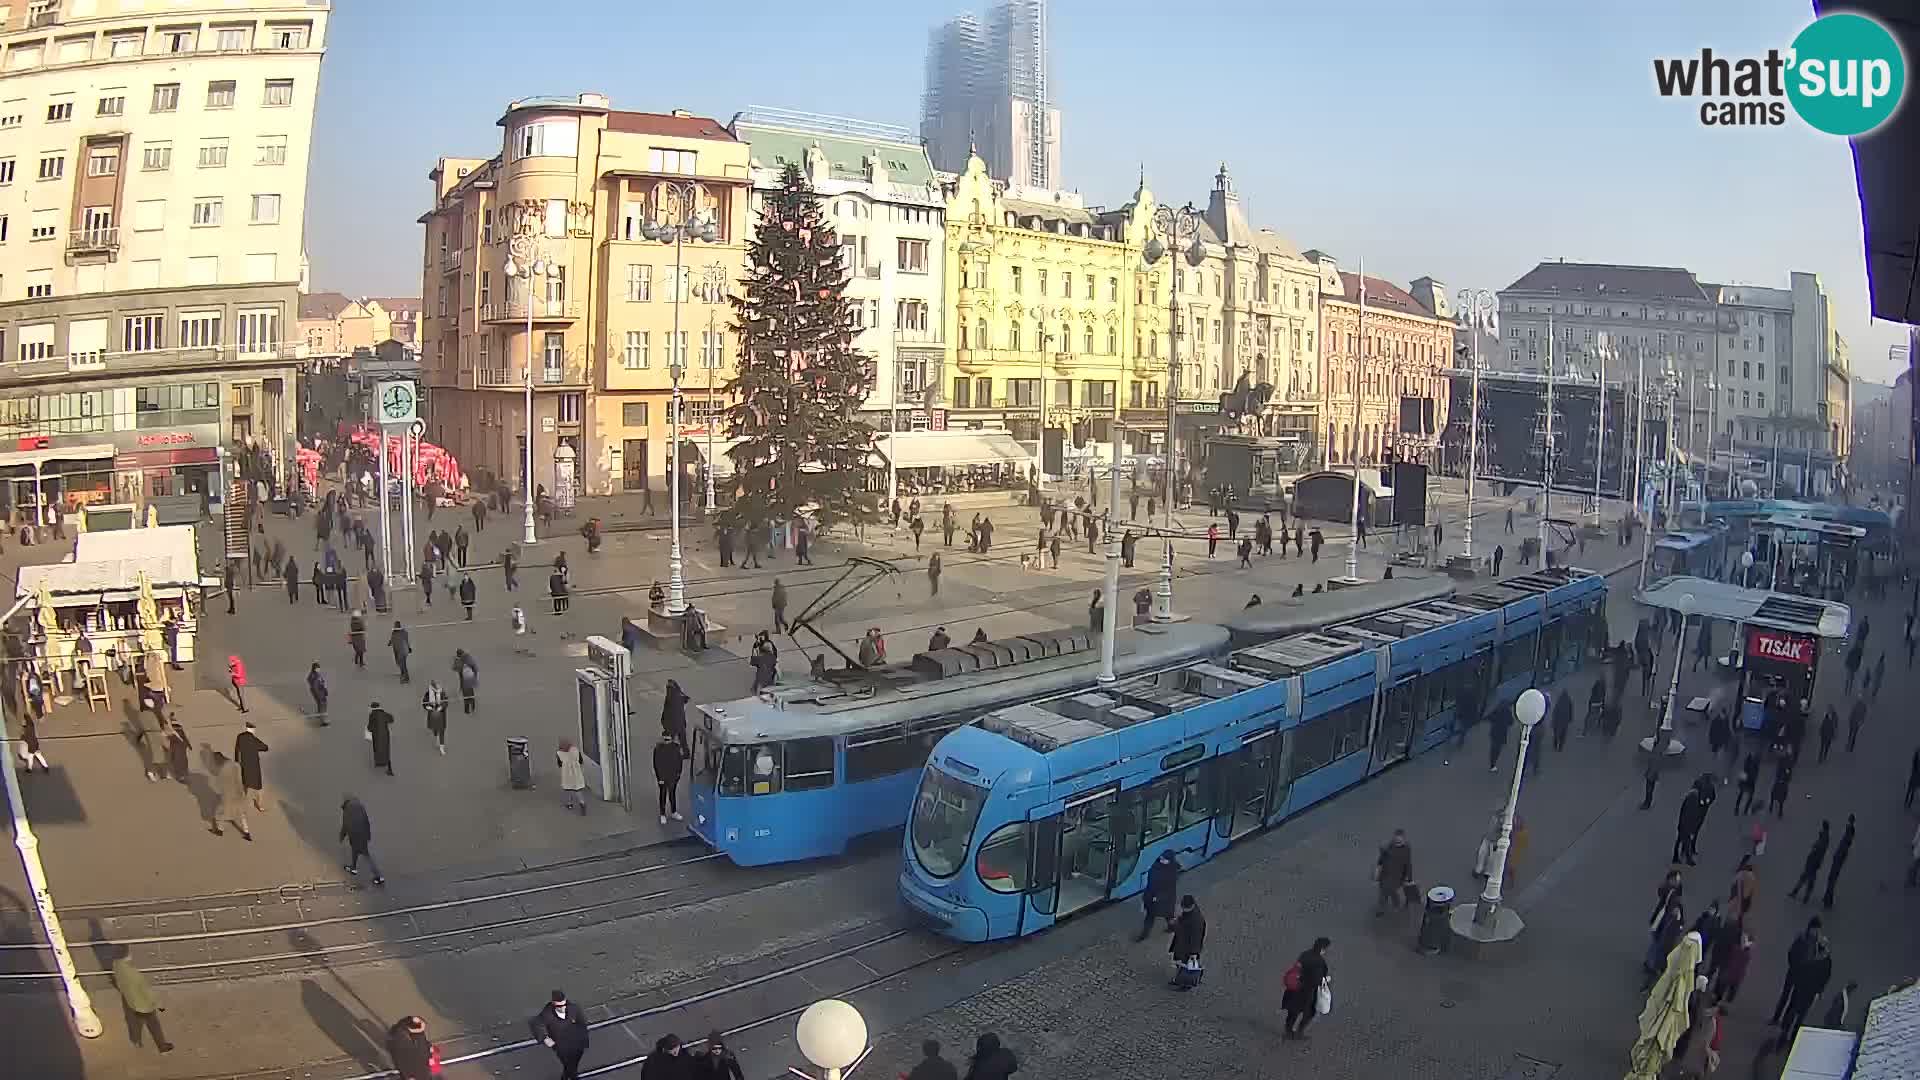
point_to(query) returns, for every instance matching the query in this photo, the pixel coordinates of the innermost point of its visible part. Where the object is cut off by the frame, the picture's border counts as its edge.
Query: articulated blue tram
(1039, 810)
(1698, 552)
(799, 772)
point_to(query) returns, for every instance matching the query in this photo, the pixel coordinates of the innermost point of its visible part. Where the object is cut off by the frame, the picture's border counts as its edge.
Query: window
(888, 751)
(684, 162)
(1763, 372)
(208, 212)
(177, 41)
(962, 393)
(125, 45)
(44, 224)
(279, 93)
(266, 209)
(53, 166)
(287, 37)
(910, 314)
(1196, 803)
(103, 162)
(39, 285)
(270, 150)
(114, 104)
(634, 357)
(200, 329)
(913, 256)
(213, 153)
(166, 98)
(639, 283)
(156, 157)
(144, 333)
(58, 111)
(553, 350)
(809, 764)
(230, 38)
(3, 228)
(36, 342)
(1066, 284)
(1018, 285)
(1113, 341)
(1761, 399)
(6, 170)
(220, 94)
(556, 218)
(149, 215)
(571, 406)
(259, 331)
(1762, 342)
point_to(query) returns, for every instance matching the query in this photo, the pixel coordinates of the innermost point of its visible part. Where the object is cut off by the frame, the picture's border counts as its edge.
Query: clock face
(397, 402)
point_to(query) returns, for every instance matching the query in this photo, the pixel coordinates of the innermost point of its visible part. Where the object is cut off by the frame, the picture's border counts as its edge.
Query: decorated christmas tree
(797, 397)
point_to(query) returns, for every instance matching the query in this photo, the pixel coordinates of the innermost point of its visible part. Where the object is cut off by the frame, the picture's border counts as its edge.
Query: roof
(113, 562)
(673, 125)
(394, 305)
(775, 148)
(1609, 280)
(1073, 215)
(323, 305)
(1382, 295)
(1755, 607)
(1890, 1041)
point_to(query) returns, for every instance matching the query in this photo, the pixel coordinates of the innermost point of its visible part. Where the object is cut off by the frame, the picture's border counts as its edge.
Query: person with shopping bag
(1189, 937)
(1308, 989)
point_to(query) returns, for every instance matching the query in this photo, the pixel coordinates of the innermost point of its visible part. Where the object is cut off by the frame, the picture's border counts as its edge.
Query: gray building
(989, 87)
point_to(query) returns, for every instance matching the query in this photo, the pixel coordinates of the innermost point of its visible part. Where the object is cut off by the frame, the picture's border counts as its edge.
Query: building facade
(989, 90)
(1376, 363)
(332, 324)
(1051, 322)
(576, 189)
(877, 189)
(152, 202)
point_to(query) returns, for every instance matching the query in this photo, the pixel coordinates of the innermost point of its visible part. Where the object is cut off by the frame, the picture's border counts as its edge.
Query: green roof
(775, 148)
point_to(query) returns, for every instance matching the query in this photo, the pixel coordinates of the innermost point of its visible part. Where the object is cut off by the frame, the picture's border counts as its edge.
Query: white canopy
(1706, 598)
(933, 449)
(112, 562)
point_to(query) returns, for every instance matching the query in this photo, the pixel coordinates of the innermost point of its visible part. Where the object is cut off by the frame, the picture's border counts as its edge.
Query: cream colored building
(332, 324)
(1394, 351)
(575, 184)
(153, 176)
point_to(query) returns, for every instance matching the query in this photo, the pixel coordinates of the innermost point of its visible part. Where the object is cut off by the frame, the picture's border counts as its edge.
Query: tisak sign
(1780, 647)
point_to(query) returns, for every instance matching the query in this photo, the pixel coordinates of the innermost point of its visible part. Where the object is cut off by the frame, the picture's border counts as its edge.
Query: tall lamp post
(526, 262)
(679, 224)
(1529, 710)
(1600, 428)
(712, 279)
(1176, 234)
(1668, 386)
(1546, 453)
(1479, 313)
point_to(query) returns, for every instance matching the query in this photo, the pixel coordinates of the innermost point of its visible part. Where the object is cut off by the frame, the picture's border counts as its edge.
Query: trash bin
(1434, 920)
(519, 764)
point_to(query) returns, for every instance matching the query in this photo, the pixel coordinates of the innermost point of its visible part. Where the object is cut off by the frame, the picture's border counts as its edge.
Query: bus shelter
(1808, 556)
(1777, 643)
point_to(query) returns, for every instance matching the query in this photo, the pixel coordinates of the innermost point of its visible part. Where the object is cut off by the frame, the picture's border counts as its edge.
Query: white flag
(1493, 322)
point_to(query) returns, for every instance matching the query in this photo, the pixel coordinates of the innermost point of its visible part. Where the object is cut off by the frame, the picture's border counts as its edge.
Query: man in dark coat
(1798, 953)
(990, 1060)
(247, 748)
(1840, 854)
(1163, 884)
(673, 714)
(357, 638)
(562, 1028)
(667, 760)
(357, 830)
(292, 576)
(411, 1051)
(1693, 812)
(1809, 979)
(1810, 869)
(1393, 872)
(468, 593)
(1303, 989)
(468, 673)
(402, 646)
(379, 723)
(1189, 938)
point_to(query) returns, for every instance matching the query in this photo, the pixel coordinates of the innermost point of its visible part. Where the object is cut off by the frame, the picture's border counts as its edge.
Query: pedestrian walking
(779, 606)
(237, 678)
(1810, 868)
(1499, 555)
(803, 541)
(931, 1065)
(30, 753)
(356, 828)
(1840, 853)
(1392, 873)
(1245, 552)
(1829, 729)
(357, 638)
(1809, 978)
(509, 565)
(426, 582)
(1693, 813)
(673, 714)
(434, 701)
(414, 1056)
(247, 748)
(667, 760)
(1730, 968)
(573, 777)
(1302, 983)
(380, 735)
(561, 1027)
(228, 578)
(1189, 938)
(317, 688)
(468, 594)
(460, 540)
(557, 589)
(1562, 719)
(765, 659)
(1163, 884)
(137, 1001)
(230, 795)
(1669, 925)
(467, 671)
(1856, 716)
(1743, 799)
(402, 645)
(1782, 785)
(934, 566)
(990, 1060)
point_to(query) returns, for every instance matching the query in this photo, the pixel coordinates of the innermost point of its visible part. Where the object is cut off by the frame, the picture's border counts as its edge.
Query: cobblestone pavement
(1561, 1002)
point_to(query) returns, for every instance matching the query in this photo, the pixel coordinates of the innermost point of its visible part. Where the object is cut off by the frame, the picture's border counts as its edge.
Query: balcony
(973, 361)
(450, 260)
(103, 241)
(571, 371)
(544, 311)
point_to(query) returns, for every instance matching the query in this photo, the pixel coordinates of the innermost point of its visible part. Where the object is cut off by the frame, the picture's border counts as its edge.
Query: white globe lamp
(832, 1035)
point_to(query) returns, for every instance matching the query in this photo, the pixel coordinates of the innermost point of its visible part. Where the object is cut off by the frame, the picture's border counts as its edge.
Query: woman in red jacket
(237, 675)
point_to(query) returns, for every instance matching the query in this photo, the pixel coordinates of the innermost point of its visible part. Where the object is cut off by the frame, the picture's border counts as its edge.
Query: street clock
(395, 402)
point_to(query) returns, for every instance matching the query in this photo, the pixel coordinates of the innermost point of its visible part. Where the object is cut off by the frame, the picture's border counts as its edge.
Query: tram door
(1092, 842)
(1246, 779)
(1399, 710)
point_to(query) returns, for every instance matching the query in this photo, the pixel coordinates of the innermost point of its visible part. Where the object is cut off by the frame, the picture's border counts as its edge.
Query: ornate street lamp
(677, 199)
(1173, 230)
(526, 261)
(1479, 313)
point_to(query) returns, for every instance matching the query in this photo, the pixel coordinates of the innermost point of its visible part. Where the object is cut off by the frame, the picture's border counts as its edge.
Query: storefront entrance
(633, 464)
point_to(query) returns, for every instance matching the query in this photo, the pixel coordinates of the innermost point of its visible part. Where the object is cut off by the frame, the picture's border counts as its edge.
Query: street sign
(395, 402)
(419, 429)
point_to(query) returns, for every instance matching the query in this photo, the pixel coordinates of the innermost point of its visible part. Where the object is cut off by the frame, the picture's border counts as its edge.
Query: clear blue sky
(1467, 141)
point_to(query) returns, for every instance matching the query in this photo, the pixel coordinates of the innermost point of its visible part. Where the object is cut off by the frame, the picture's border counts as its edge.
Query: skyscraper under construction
(988, 88)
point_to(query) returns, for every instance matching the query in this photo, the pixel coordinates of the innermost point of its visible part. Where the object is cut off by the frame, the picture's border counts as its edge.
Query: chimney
(683, 114)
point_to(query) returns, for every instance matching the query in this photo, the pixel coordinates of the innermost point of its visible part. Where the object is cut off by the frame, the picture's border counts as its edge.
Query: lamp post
(1668, 384)
(1746, 568)
(1664, 741)
(833, 1036)
(1546, 452)
(677, 223)
(713, 279)
(524, 261)
(1529, 709)
(1479, 312)
(1600, 428)
(1176, 234)
(1353, 444)
(1110, 628)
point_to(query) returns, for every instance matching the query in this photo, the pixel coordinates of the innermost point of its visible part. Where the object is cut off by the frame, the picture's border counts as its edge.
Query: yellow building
(1048, 311)
(577, 187)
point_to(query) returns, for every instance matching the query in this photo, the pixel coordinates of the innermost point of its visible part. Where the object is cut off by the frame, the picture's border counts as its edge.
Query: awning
(932, 449)
(90, 452)
(1710, 599)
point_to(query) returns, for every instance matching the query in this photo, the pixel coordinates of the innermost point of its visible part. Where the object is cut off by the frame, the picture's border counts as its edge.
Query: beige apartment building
(333, 324)
(153, 174)
(1378, 360)
(574, 189)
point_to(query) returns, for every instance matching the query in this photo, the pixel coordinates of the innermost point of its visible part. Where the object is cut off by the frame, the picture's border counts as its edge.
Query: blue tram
(799, 772)
(1690, 552)
(1036, 811)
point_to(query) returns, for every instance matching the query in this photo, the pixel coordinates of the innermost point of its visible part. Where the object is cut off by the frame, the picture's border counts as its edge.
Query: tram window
(754, 768)
(1181, 758)
(809, 764)
(733, 770)
(1516, 656)
(1002, 862)
(1046, 865)
(1196, 802)
(1157, 809)
(1351, 728)
(1443, 687)
(1313, 745)
(884, 753)
(706, 757)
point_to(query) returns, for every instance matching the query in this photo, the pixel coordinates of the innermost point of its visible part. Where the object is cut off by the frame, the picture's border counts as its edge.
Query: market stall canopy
(1706, 598)
(108, 565)
(956, 449)
(1886, 166)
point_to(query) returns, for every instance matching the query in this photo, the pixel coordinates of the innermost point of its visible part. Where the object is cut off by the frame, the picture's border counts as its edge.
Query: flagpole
(1546, 450)
(1353, 449)
(1478, 307)
(1600, 444)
